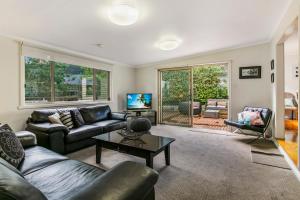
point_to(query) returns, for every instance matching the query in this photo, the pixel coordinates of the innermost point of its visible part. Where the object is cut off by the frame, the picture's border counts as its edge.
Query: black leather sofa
(44, 174)
(98, 120)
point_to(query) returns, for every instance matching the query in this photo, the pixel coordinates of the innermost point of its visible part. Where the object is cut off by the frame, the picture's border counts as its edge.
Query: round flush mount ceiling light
(168, 45)
(123, 14)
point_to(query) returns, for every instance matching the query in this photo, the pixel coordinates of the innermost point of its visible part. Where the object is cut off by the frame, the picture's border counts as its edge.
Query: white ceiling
(202, 25)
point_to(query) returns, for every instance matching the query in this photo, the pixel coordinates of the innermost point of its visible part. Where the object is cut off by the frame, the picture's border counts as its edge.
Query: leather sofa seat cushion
(110, 125)
(14, 186)
(37, 158)
(83, 132)
(94, 114)
(65, 179)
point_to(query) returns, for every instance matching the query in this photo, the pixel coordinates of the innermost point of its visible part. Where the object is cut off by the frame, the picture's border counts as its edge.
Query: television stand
(138, 113)
(149, 114)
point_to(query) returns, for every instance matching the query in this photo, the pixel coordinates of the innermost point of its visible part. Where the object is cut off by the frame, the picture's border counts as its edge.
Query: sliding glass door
(175, 96)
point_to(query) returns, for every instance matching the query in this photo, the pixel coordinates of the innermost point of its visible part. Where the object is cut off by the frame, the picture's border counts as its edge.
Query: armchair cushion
(244, 126)
(48, 127)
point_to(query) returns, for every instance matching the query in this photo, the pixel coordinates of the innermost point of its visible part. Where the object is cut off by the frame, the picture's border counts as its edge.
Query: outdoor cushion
(211, 103)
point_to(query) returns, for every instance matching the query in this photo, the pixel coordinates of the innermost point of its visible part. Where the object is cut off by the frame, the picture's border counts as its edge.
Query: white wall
(290, 62)
(253, 92)
(123, 81)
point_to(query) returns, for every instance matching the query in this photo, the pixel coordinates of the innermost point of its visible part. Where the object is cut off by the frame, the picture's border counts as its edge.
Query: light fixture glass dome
(168, 45)
(123, 14)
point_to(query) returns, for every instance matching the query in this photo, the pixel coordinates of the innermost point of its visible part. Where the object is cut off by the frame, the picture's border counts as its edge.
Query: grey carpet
(208, 167)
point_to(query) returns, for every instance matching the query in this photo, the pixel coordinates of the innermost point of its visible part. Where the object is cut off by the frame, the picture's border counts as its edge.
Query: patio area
(210, 123)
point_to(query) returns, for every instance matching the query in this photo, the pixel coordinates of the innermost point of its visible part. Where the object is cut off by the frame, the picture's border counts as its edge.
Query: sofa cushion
(37, 158)
(110, 125)
(77, 118)
(83, 132)
(64, 179)
(11, 148)
(40, 116)
(14, 186)
(94, 114)
(9, 166)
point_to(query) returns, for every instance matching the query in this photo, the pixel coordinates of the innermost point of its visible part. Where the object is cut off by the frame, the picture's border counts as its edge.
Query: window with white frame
(52, 81)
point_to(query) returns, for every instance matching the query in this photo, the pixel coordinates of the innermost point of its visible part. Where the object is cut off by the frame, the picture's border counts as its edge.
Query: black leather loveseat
(44, 174)
(57, 137)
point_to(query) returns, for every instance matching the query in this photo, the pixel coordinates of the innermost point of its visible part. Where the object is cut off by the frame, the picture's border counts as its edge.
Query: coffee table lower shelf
(148, 155)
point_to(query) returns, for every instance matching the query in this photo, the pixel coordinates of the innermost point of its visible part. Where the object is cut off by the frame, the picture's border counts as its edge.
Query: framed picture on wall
(272, 64)
(250, 72)
(272, 77)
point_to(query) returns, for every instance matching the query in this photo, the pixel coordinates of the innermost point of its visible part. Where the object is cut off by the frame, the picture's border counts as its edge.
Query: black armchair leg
(240, 131)
(261, 135)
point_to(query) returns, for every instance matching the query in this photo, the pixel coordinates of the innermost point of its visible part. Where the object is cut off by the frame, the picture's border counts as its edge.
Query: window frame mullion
(52, 81)
(94, 84)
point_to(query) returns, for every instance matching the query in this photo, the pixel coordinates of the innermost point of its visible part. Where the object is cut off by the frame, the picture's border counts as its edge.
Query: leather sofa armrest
(26, 138)
(119, 116)
(48, 128)
(126, 181)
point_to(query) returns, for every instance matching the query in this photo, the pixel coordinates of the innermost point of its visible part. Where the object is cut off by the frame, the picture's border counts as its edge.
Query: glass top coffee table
(146, 146)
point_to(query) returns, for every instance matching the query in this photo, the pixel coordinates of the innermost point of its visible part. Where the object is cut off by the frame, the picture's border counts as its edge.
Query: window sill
(60, 104)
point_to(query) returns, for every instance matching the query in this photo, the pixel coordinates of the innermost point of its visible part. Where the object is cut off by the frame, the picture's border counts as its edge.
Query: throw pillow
(55, 119)
(66, 119)
(252, 118)
(77, 118)
(258, 120)
(11, 148)
(240, 118)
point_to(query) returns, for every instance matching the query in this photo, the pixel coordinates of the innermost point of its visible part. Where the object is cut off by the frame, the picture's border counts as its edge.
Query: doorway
(194, 96)
(290, 51)
(175, 96)
(211, 96)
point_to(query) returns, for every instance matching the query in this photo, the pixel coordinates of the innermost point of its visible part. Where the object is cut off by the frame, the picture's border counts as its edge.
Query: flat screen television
(139, 101)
